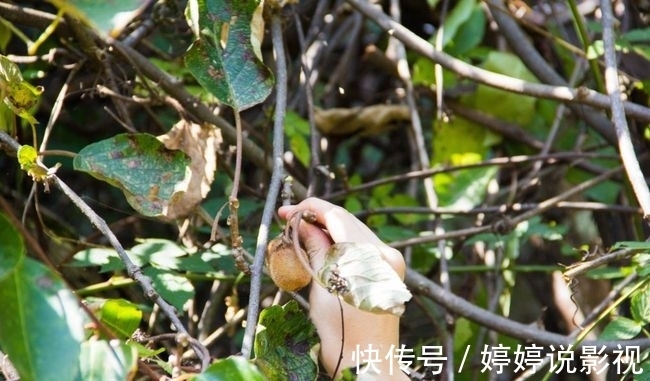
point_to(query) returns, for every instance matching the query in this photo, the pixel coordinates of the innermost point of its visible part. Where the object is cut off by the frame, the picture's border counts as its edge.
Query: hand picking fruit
(330, 224)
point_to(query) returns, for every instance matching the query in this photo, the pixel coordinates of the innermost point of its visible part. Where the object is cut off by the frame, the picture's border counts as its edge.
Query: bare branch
(581, 95)
(625, 146)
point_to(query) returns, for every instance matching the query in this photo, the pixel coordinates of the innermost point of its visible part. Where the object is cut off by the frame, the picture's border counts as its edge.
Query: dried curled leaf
(358, 273)
(370, 120)
(200, 143)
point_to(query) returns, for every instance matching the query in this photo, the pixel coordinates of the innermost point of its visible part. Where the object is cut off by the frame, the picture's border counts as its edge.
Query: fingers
(316, 242)
(340, 224)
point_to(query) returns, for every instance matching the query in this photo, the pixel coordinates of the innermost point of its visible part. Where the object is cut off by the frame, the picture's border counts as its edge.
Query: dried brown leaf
(200, 143)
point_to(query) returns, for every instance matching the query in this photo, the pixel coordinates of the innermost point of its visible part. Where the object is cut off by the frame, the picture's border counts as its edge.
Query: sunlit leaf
(39, 315)
(505, 105)
(621, 328)
(140, 165)
(284, 344)
(297, 130)
(109, 17)
(120, 316)
(226, 58)
(234, 368)
(175, 289)
(28, 160)
(358, 273)
(640, 305)
(200, 142)
(103, 360)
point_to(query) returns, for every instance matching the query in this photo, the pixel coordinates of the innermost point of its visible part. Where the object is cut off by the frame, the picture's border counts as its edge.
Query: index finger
(342, 225)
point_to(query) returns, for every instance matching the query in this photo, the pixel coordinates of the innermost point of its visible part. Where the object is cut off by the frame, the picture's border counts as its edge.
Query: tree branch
(625, 146)
(274, 186)
(525, 50)
(423, 286)
(566, 94)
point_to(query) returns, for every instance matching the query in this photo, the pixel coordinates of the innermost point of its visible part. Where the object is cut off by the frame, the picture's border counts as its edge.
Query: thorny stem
(625, 146)
(274, 186)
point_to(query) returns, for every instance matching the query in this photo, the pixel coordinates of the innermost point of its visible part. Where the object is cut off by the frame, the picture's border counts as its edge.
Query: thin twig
(314, 135)
(274, 186)
(506, 224)
(511, 160)
(132, 270)
(583, 267)
(494, 209)
(625, 146)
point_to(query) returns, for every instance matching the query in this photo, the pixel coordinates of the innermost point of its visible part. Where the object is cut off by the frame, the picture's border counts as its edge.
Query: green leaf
(121, 316)
(12, 250)
(633, 245)
(621, 328)
(105, 16)
(5, 36)
(162, 253)
(234, 368)
(175, 289)
(140, 165)
(470, 33)
(637, 35)
(645, 372)
(285, 344)
(226, 58)
(640, 305)
(96, 256)
(41, 325)
(358, 273)
(461, 12)
(103, 360)
(505, 105)
(297, 131)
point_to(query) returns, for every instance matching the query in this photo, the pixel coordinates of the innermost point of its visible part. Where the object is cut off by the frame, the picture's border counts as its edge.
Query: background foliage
(477, 140)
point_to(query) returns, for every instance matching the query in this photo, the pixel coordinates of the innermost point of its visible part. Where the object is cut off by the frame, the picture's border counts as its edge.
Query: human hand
(361, 330)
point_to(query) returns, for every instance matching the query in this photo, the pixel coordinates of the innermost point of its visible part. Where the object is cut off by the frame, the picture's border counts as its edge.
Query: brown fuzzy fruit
(285, 268)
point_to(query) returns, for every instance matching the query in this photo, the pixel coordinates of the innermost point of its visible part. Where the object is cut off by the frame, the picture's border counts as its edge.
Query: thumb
(315, 241)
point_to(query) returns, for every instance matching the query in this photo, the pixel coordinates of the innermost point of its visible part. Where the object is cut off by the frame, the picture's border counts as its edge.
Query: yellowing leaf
(19, 95)
(358, 273)
(28, 160)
